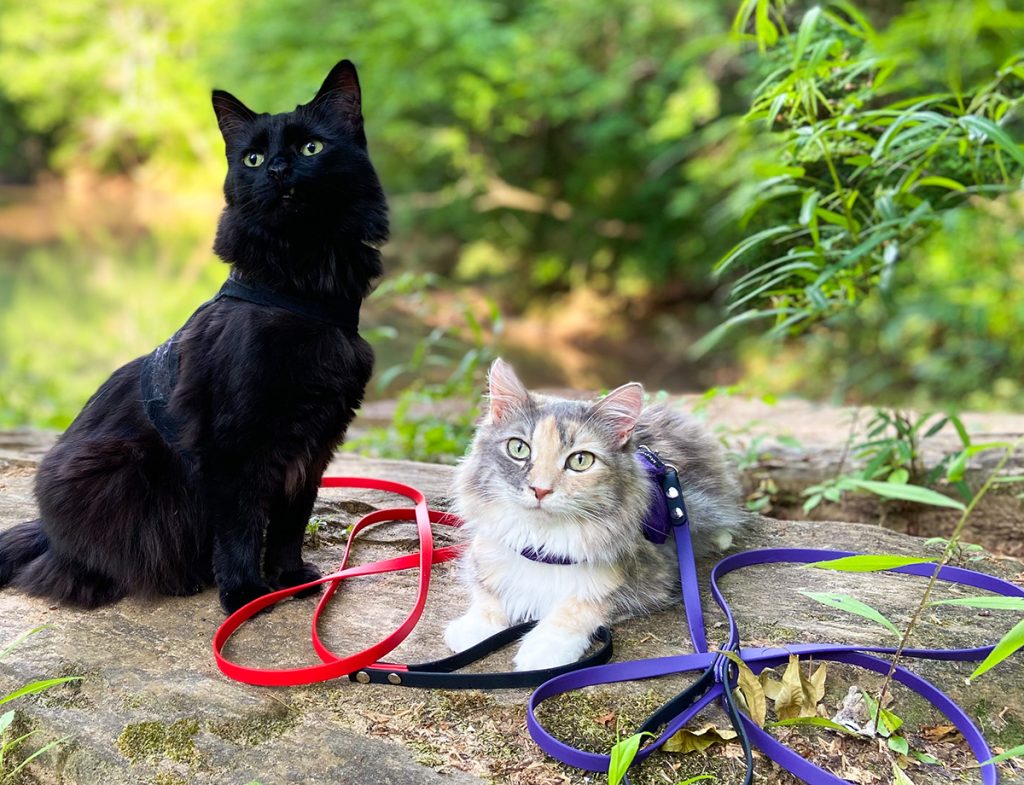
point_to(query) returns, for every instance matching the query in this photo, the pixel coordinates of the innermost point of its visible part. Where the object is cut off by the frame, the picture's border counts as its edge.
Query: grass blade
(36, 686)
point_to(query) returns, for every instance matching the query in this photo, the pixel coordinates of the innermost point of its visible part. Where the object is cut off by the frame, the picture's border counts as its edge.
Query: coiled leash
(717, 680)
(366, 666)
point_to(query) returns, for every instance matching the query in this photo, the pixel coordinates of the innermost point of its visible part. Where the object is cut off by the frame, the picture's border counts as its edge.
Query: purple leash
(711, 685)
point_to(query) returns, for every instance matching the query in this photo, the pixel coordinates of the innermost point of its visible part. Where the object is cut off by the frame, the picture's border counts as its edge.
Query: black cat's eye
(312, 147)
(518, 449)
(580, 461)
(252, 159)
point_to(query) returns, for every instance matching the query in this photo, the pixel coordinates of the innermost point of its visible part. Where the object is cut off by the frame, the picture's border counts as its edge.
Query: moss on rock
(175, 741)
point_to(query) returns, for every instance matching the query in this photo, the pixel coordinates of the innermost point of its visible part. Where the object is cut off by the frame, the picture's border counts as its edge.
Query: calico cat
(200, 462)
(556, 501)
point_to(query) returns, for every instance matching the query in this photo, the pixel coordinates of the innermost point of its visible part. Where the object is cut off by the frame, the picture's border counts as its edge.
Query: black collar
(344, 314)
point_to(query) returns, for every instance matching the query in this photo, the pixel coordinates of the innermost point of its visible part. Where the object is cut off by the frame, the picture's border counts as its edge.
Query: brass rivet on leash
(394, 678)
(363, 677)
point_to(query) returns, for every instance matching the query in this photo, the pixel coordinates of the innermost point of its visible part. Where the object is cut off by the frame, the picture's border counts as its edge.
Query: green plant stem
(947, 555)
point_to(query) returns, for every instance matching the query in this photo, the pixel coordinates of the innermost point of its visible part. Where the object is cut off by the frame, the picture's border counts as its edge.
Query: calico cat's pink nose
(540, 493)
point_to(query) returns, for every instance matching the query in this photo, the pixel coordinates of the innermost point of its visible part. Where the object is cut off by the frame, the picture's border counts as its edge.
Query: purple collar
(656, 522)
(545, 558)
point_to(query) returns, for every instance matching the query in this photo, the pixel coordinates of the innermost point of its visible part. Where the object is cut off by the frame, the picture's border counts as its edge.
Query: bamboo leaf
(869, 562)
(996, 134)
(845, 602)
(1008, 644)
(909, 493)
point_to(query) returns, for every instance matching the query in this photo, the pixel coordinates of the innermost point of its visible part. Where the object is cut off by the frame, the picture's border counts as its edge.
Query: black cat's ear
(340, 96)
(505, 391)
(621, 409)
(232, 114)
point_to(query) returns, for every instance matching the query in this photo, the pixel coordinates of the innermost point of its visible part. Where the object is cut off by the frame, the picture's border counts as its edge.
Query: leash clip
(669, 486)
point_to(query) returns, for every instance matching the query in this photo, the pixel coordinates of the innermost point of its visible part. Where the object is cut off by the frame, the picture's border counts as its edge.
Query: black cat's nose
(278, 168)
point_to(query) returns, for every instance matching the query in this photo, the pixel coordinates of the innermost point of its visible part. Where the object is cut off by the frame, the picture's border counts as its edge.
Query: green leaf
(899, 744)
(899, 777)
(622, 755)
(869, 562)
(996, 134)
(804, 34)
(751, 242)
(1006, 646)
(817, 722)
(942, 182)
(909, 493)
(898, 476)
(1016, 752)
(21, 639)
(924, 757)
(36, 686)
(698, 778)
(33, 756)
(845, 602)
(6, 720)
(990, 603)
(957, 467)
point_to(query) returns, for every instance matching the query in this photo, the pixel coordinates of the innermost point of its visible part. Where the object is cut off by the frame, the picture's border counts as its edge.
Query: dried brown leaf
(686, 741)
(751, 690)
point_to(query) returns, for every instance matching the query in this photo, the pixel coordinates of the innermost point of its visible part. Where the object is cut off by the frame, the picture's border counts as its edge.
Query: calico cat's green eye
(311, 147)
(580, 461)
(518, 449)
(252, 160)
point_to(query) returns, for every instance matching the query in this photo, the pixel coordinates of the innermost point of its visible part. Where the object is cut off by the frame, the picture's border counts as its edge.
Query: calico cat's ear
(232, 114)
(340, 95)
(504, 390)
(621, 409)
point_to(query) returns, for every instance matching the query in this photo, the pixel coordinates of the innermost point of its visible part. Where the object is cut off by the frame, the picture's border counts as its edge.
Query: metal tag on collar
(674, 497)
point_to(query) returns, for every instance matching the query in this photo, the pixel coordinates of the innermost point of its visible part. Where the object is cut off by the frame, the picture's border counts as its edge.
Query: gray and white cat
(560, 479)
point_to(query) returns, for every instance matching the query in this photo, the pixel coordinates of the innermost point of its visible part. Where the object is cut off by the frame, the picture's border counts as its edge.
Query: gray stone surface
(153, 708)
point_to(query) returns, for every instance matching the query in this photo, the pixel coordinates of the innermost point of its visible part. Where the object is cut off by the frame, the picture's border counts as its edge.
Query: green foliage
(94, 306)
(890, 451)
(622, 755)
(845, 602)
(878, 179)
(441, 383)
(8, 744)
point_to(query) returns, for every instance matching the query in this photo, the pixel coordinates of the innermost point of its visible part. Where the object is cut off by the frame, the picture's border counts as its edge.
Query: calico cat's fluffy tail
(28, 563)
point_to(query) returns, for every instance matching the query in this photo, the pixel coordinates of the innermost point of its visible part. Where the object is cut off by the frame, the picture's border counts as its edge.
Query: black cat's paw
(233, 599)
(187, 589)
(307, 573)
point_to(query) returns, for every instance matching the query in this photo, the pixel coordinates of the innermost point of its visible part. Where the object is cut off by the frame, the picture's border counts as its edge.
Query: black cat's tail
(19, 546)
(28, 563)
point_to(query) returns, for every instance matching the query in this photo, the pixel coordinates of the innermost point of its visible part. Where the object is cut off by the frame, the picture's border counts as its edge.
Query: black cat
(191, 463)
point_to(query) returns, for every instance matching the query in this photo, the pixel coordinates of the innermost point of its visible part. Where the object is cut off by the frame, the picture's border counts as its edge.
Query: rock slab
(152, 707)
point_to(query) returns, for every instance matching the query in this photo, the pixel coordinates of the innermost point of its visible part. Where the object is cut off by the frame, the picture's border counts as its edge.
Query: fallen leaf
(938, 732)
(798, 697)
(899, 777)
(605, 719)
(769, 684)
(687, 741)
(750, 689)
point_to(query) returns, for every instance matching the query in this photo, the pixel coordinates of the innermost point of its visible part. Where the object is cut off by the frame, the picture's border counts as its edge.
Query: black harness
(160, 367)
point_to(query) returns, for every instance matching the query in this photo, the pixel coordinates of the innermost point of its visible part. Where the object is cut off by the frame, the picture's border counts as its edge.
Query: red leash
(334, 666)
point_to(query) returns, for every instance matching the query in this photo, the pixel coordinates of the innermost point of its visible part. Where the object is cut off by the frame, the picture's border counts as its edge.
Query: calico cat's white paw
(546, 647)
(468, 631)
